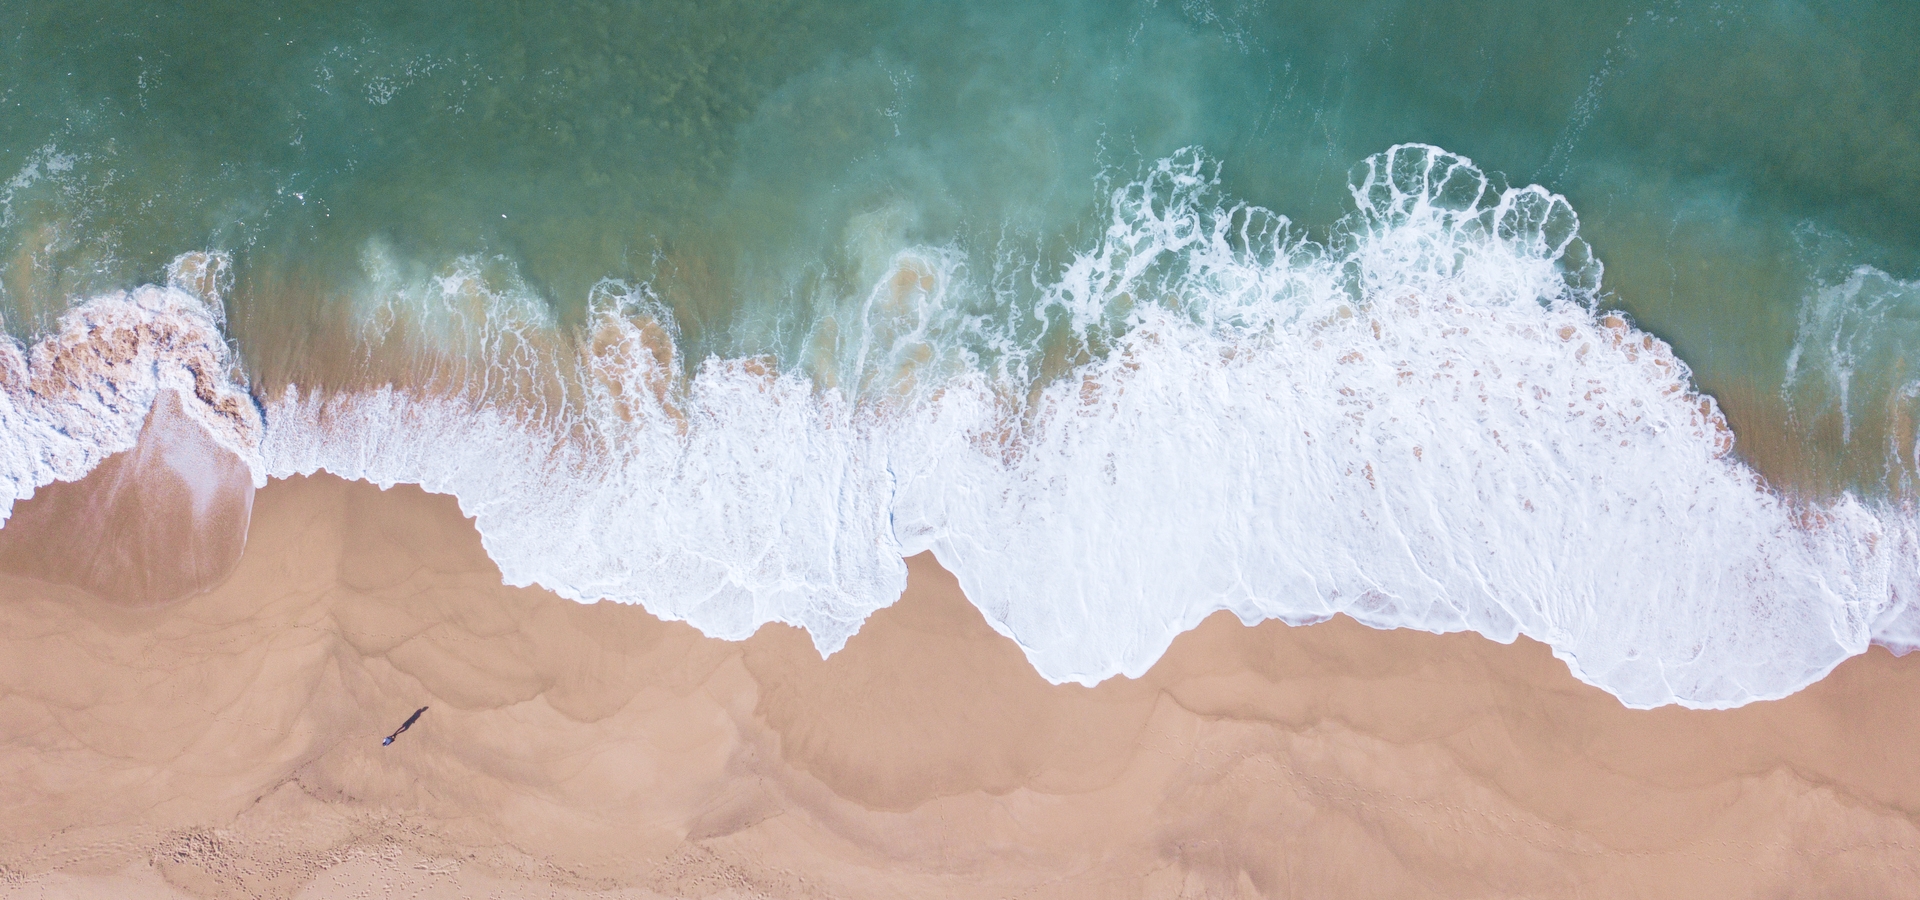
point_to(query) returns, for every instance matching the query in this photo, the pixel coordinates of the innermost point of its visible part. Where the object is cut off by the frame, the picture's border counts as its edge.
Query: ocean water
(1587, 322)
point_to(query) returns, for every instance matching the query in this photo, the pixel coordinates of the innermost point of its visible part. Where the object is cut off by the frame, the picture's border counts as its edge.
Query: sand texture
(228, 744)
(156, 523)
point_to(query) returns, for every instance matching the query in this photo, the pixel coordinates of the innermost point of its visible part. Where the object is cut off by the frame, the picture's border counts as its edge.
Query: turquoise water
(884, 200)
(1725, 158)
(748, 160)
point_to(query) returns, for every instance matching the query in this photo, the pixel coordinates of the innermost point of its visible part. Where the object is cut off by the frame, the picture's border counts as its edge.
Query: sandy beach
(1063, 450)
(228, 744)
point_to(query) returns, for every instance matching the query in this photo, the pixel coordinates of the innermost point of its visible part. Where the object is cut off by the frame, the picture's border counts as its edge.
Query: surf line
(388, 740)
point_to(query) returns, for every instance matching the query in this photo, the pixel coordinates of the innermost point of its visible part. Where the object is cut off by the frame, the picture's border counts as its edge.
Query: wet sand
(228, 745)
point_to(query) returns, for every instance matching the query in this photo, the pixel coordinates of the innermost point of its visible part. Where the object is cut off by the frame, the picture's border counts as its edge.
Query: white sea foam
(1422, 422)
(1423, 427)
(771, 504)
(82, 393)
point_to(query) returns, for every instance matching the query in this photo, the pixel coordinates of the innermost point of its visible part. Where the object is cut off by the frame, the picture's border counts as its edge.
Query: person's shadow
(403, 726)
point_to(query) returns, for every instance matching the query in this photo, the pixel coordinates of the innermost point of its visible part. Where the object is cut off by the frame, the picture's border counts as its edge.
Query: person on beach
(403, 726)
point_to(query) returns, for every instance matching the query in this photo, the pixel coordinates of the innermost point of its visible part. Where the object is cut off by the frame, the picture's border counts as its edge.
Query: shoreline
(228, 744)
(1381, 487)
(1470, 442)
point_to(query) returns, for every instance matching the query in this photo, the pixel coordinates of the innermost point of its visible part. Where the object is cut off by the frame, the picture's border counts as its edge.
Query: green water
(757, 163)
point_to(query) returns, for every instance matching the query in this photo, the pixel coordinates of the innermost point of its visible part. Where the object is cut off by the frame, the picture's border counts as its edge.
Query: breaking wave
(1423, 419)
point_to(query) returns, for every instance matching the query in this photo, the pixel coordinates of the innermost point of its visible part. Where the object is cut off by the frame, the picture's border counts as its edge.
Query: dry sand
(228, 744)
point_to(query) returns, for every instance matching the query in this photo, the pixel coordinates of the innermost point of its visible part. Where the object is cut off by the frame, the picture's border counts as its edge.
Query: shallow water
(721, 308)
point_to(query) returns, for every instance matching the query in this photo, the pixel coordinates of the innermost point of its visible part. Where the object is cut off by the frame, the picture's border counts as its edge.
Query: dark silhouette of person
(404, 726)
